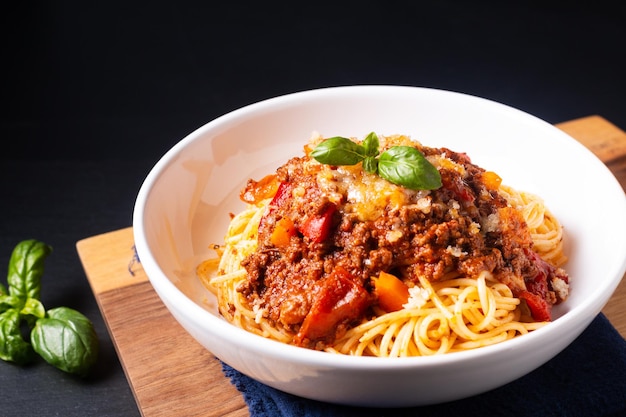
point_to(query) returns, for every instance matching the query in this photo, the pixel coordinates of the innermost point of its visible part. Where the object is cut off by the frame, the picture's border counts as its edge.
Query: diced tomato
(340, 300)
(538, 287)
(462, 191)
(539, 307)
(317, 228)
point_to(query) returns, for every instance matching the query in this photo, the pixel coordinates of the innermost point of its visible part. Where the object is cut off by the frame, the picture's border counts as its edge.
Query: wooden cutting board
(169, 373)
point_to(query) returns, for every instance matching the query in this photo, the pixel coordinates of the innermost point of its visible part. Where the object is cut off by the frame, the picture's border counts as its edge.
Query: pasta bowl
(183, 208)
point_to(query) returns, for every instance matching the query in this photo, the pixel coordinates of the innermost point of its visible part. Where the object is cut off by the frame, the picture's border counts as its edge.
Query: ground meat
(464, 227)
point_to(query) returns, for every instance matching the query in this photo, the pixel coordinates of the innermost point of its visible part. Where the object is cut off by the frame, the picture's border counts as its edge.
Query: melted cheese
(368, 195)
(364, 194)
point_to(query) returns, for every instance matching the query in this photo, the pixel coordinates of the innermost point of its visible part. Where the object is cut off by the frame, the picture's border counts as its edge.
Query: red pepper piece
(340, 300)
(538, 287)
(283, 193)
(539, 308)
(317, 228)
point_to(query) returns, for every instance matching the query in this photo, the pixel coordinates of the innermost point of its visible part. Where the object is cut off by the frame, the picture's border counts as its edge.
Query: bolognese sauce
(329, 231)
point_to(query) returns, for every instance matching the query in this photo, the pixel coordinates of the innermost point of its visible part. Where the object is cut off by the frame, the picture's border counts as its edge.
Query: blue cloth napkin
(587, 379)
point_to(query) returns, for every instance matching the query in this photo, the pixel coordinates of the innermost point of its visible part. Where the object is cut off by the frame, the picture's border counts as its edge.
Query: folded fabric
(586, 379)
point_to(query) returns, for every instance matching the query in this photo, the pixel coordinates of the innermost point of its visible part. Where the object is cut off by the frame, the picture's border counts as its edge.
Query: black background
(94, 94)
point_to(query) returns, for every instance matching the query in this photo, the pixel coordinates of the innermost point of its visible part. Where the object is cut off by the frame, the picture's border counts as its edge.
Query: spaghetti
(274, 280)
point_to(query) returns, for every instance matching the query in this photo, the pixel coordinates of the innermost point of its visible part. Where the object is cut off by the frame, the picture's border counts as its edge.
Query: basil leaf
(370, 164)
(10, 301)
(402, 165)
(3, 290)
(338, 151)
(26, 268)
(32, 310)
(406, 166)
(67, 340)
(370, 145)
(13, 347)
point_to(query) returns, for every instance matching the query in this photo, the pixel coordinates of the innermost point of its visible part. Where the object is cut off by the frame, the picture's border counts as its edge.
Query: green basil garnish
(26, 268)
(63, 337)
(339, 151)
(370, 145)
(401, 165)
(13, 347)
(404, 165)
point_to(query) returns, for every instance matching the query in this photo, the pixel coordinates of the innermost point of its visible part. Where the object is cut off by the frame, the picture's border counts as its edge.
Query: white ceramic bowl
(183, 207)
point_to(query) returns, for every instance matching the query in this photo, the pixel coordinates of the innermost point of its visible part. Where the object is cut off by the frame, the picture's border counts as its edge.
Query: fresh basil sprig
(66, 339)
(63, 337)
(401, 165)
(26, 268)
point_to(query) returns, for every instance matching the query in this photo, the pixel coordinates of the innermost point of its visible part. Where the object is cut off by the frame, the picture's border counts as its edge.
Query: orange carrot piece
(392, 292)
(282, 232)
(492, 180)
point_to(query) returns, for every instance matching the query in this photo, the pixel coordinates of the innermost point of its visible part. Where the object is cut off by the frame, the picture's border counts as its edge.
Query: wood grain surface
(169, 372)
